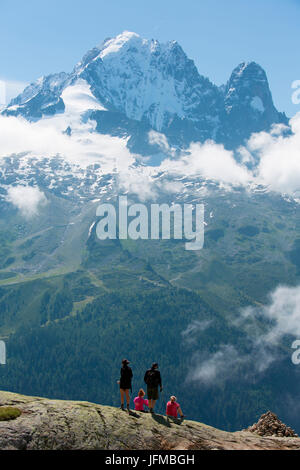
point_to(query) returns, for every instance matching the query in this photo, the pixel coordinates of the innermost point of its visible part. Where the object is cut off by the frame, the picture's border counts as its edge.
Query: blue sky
(38, 38)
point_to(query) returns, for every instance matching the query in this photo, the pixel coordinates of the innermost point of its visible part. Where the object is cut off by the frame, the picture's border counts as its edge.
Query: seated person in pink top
(173, 408)
(140, 401)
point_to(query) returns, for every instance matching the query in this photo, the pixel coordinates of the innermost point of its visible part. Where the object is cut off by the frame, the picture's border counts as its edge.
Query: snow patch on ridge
(78, 98)
(79, 102)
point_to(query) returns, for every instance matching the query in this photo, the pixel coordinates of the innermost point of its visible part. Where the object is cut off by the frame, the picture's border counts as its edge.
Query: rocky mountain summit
(130, 85)
(64, 425)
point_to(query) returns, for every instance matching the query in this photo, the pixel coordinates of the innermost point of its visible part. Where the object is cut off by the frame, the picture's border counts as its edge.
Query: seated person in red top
(140, 401)
(173, 408)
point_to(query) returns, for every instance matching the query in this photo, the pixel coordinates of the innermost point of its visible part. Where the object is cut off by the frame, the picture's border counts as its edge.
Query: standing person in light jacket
(125, 382)
(153, 380)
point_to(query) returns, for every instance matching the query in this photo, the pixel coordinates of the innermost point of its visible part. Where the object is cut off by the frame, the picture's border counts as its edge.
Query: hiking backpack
(152, 378)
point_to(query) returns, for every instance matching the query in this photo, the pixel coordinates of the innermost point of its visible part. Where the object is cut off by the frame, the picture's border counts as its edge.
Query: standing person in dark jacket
(153, 380)
(125, 382)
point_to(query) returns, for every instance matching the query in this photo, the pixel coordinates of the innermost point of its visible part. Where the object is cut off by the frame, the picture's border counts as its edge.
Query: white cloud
(276, 154)
(283, 310)
(209, 160)
(137, 181)
(27, 199)
(156, 138)
(46, 139)
(265, 326)
(83, 147)
(218, 366)
(274, 159)
(189, 335)
(278, 158)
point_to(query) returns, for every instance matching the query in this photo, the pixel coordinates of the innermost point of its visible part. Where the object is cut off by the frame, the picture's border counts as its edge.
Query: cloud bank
(266, 327)
(45, 138)
(270, 159)
(279, 158)
(209, 160)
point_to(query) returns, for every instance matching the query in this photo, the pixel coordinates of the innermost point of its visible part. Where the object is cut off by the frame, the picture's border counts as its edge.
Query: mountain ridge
(157, 86)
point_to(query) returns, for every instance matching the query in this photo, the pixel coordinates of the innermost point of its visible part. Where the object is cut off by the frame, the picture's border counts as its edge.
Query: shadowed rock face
(65, 425)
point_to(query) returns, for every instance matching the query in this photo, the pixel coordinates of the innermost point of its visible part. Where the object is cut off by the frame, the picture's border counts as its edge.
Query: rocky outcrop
(270, 425)
(62, 425)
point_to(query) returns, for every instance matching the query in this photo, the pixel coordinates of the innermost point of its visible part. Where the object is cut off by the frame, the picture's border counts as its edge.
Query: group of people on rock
(153, 381)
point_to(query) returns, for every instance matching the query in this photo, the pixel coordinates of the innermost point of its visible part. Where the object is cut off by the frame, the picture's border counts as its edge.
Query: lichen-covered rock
(66, 425)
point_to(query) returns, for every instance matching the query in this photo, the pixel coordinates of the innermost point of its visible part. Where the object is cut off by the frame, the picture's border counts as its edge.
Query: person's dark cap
(125, 361)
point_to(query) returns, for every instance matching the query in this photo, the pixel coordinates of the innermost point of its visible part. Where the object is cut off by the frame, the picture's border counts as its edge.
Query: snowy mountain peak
(114, 45)
(142, 84)
(248, 71)
(248, 81)
(248, 101)
(143, 79)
